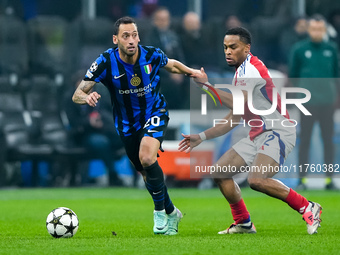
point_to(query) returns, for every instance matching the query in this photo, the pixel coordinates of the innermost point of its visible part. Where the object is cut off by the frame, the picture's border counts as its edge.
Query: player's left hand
(189, 142)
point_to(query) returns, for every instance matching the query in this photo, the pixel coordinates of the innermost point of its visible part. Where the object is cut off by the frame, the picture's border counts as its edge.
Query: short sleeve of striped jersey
(162, 56)
(97, 70)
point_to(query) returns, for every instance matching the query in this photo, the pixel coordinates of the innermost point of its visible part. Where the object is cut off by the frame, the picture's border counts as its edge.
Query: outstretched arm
(82, 94)
(191, 141)
(174, 66)
(201, 79)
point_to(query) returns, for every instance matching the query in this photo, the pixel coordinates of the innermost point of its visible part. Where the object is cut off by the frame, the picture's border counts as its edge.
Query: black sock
(155, 185)
(169, 207)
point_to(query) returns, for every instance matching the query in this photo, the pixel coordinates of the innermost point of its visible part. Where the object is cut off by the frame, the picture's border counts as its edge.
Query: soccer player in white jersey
(266, 145)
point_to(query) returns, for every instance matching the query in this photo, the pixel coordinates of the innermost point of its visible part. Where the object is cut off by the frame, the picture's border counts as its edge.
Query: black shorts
(155, 127)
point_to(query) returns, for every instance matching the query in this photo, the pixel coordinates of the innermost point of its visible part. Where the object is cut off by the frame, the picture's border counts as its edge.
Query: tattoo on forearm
(86, 86)
(81, 92)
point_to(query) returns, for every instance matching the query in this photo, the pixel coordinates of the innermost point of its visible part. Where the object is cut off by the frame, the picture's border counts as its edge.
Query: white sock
(160, 210)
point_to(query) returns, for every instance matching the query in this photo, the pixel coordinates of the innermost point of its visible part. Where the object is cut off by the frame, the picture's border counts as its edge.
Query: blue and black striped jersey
(134, 89)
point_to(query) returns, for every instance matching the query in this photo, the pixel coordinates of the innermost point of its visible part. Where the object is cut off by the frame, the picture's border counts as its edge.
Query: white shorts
(270, 143)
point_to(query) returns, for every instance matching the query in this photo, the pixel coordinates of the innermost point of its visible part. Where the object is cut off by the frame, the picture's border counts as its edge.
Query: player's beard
(125, 51)
(128, 53)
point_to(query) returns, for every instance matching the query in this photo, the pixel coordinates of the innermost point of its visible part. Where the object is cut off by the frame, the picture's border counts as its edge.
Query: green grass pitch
(128, 212)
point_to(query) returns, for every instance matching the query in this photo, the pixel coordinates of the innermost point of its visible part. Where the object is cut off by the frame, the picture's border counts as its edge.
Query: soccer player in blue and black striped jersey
(131, 74)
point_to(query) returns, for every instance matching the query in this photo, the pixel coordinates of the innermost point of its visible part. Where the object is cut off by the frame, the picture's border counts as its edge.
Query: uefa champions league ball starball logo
(62, 222)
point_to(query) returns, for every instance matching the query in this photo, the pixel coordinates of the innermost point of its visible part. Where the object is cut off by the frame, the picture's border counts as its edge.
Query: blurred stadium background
(47, 45)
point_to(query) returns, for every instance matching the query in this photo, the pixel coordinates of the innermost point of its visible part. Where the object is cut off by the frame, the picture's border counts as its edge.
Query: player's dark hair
(243, 33)
(123, 20)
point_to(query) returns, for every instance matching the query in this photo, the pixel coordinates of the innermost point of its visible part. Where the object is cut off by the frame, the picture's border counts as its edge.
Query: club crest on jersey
(148, 68)
(135, 80)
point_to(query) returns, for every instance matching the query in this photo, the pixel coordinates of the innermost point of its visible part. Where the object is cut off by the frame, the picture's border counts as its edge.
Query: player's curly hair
(123, 20)
(243, 33)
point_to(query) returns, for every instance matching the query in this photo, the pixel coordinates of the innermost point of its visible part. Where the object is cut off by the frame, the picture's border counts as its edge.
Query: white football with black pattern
(62, 222)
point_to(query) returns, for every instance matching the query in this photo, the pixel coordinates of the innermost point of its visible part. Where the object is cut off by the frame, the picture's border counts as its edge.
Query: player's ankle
(247, 220)
(243, 221)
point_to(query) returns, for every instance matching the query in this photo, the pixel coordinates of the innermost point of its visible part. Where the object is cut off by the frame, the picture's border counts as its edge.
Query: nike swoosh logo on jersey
(152, 131)
(155, 193)
(117, 77)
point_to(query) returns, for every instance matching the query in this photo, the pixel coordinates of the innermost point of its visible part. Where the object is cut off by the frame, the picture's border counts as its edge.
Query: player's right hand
(200, 77)
(189, 142)
(92, 99)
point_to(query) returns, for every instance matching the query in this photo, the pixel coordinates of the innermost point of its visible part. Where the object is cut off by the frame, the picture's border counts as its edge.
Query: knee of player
(256, 183)
(147, 160)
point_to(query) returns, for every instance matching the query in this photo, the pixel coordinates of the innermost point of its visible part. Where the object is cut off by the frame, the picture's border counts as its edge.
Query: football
(62, 222)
